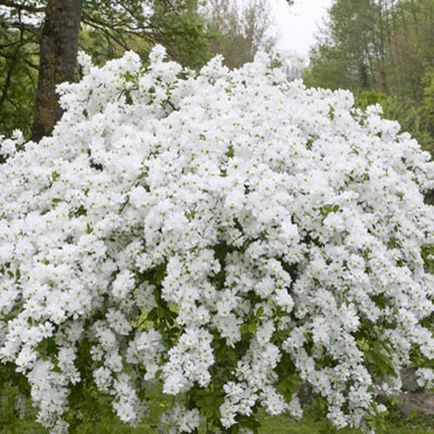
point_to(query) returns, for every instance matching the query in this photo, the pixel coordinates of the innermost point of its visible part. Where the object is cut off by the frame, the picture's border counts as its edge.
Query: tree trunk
(58, 61)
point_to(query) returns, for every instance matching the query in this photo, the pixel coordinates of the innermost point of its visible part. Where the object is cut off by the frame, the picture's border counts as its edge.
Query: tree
(57, 61)
(241, 29)
(382, 48)
(108, 28)
(221, 236)
(351, 43)
(18, 76)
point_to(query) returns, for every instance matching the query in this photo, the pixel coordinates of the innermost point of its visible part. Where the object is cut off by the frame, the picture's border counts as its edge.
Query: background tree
(349, 48)
(57, 61)
(240, 29)
(19, 52)
(382, 50)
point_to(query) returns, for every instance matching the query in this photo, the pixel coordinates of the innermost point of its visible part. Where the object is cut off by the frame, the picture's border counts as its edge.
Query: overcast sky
(298, 25)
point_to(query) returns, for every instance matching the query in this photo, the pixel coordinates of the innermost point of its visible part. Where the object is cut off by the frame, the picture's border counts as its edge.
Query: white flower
(158, 54)
(123, 284)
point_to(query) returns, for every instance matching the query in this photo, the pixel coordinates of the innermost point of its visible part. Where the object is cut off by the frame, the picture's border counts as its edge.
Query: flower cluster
(223, 235)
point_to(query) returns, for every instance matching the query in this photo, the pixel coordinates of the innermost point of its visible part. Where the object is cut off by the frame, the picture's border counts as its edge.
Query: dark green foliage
(18, 76)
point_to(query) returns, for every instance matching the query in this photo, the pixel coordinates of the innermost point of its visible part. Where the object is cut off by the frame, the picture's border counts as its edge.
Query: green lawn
(271, 425)
(281, 425)
(100, 420)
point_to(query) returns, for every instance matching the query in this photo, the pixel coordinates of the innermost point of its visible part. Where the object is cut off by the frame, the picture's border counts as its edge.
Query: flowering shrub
(226, 235)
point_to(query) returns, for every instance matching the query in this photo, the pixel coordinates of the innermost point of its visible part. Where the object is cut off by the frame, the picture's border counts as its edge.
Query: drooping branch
(7, 82)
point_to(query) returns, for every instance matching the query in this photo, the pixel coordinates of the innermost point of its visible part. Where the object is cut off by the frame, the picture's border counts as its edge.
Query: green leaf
(325, 210)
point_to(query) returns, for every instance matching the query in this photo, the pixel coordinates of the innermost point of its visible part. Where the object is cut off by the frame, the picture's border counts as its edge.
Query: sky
(299, 24)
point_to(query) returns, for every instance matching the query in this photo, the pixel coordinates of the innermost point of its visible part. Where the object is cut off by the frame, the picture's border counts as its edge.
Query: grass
(270, 425)
(282, 425)
(101, 420)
